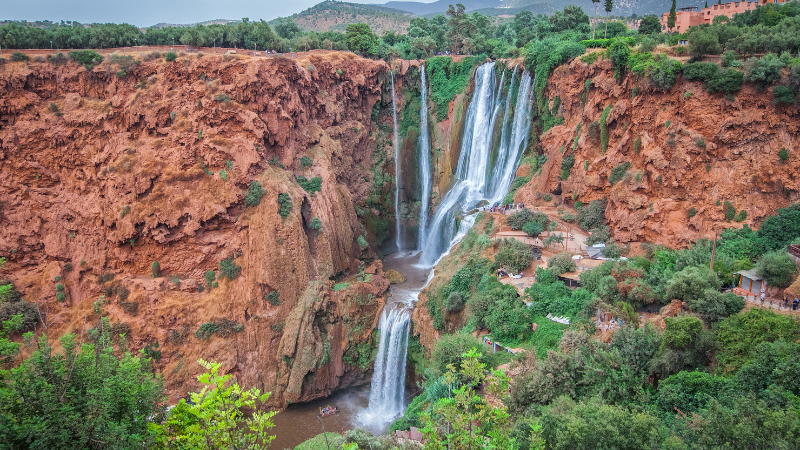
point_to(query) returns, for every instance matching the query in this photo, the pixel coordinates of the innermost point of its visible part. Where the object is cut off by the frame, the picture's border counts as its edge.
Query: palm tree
(594, 22)
(609, 6)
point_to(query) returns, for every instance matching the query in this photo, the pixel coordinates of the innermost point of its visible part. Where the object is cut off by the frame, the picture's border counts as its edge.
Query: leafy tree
(609, 5)
(568, 425)
(460, 29)
(777, 268)
(514, 255)
(592, 215)
(691, 284)
(286, 28)
(739, 336)
(562, 263)
(763, 71)
(776, 232)
(672, 16)
(361, 39)
(702, 43)
(688, 392)
(463, 417)
(218, 417)
(450, 349)
(649, 25)
(683, 347)
(714, 305)
(533, 229)
(85, 397)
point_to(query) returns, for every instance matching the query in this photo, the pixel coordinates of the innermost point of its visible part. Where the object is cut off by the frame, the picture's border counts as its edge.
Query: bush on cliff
(229, 269)
(252, 197)
(285, 203)
(88, 58)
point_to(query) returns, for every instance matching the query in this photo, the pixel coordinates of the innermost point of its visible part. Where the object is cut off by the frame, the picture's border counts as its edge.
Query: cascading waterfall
(387, 393)
(424, 164)
(397, 239)
(476, 180)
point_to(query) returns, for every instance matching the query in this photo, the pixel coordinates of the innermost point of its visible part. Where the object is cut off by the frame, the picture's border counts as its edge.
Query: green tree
(562, 263)
(650, 25)
(218, 417)
(514, 255)
(84, 397)
(463, 417)
(703, 43)
(609, 5)
(361, 39)
(594, 22)
(691, 283)
(672, 16)
(777, 268)
(739, 336)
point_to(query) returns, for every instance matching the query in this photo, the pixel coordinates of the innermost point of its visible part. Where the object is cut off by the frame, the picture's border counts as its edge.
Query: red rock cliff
(686, 149)
(106, 175)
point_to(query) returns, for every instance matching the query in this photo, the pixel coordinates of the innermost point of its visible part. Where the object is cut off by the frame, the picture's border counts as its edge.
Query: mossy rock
(395, 277)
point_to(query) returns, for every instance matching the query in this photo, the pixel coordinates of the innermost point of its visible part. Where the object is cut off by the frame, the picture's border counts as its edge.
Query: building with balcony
(691, 16)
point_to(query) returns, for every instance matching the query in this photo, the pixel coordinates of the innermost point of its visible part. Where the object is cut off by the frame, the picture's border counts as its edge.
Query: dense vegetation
(714, 374)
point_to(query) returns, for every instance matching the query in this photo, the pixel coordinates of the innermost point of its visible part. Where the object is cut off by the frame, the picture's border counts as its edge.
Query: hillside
(511, 7)
(335, 16)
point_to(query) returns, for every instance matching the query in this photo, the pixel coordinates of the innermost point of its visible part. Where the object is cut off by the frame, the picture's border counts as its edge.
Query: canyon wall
(686, 149)
(105, 172)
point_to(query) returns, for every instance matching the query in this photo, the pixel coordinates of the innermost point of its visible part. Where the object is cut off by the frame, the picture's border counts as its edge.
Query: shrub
(590, 58)
(725, 81)
(170, 56)
(273, 297)
(783, 95)
(729, 59)
(206, 330)
(783, 155)
(210, 277)
(30, 315)
(704, 43)
(455, 302)
(229, 269)
(222, 98)
(223, 174)
(666, 124)
(285, 203)
(305, 161)
(88, 58)
(154, 269)
(548, 197)
(592, 215)
(253, 194)
(619, 52)
(730, 211)
(449, 350)
(603, 129)
(566, 165)
(562, 263)
(777, 268)
(700, 142)
(311, 186)
(763, 71)
(692, 212)
(316, 224)
(517, 220)
(514, 255)
(151, 56)
(57, 59)
(19, 56)
(362, 243)
(618, 172)
(741, 217)
(661, 70)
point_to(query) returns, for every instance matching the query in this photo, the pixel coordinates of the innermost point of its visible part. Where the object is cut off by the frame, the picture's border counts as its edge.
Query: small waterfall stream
(398, 236)
(424, 164)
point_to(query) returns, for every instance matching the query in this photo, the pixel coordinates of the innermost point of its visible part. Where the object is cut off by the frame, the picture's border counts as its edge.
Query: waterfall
(388, 380)
(476, 180)
(396, 171)
(424, 164)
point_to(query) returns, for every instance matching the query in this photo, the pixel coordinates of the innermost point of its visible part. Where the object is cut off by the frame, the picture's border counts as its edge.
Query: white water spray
(424, 164)
(476, 180)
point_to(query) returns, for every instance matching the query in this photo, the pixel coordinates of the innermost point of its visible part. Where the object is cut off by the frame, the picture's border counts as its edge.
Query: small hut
(749, 281)
(793, 291)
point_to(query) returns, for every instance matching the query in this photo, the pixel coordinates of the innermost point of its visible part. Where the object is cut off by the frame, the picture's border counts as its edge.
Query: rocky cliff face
(686, 149)
(104, 172)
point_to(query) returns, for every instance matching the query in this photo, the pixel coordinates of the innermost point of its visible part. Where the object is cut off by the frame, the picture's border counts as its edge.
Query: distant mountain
(335, 16)
(206, 23)
(511, 7)
(441, 6)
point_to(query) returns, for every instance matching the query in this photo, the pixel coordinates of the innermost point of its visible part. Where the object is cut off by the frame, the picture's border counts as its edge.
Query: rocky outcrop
(686, 148)
(104, 173)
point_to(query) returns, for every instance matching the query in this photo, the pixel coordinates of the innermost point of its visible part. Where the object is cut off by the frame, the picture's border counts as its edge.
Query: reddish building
(691, 16)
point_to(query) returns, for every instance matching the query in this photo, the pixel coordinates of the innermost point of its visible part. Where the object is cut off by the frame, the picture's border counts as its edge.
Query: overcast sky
(143, 13)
